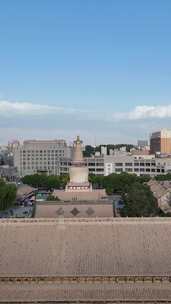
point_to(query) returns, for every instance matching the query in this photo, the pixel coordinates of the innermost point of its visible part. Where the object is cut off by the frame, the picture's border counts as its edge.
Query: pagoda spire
(77, 151)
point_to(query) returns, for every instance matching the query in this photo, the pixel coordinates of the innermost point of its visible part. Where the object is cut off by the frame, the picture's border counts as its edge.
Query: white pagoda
(79, 188)
(78, 172)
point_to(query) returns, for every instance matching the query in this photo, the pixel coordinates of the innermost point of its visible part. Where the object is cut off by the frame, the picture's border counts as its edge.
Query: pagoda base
(80, 187)
(80, 195)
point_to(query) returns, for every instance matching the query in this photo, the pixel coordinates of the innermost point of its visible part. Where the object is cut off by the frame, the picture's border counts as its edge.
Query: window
(118, 164)
(128, 164)
(118, 170)
(128, 169)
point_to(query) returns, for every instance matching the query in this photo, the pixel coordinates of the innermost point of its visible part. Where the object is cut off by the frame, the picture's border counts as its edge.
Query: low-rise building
(8, 173)
(162, 192)
(54, 158)
(137, 164)
(95, 165)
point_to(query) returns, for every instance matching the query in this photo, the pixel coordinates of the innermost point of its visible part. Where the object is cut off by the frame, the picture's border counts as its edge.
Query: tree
(119, 183)
(52, 198)
(7, 195)
(89, 150)
(48, 182)
(139, 201)
(97, 181)
(163, 177)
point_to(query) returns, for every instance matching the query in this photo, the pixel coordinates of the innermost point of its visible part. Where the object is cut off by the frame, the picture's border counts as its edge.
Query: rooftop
(85, 247)
(121, 259)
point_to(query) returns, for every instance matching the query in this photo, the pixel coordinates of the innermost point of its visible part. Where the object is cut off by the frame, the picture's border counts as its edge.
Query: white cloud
(26, 108)
(9, 109)
(145, 112)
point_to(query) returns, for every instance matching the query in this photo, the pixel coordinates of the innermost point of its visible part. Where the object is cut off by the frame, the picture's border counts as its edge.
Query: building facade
(160, 142)
(8, 173)
(137, 164)
(40, 156)
(95, 165)
(55, 157)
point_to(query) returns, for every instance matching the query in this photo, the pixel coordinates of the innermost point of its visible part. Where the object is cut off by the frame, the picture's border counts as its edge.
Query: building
(142, 143)
(94, 163)
(75, 209)
(162, 192)
(121, 260)
(40, 156)
(78, 199)
(160, 142)
(79, 188)
(55, 158)
(8, 173)
(6, 156)
(103, 150)
(136, 163)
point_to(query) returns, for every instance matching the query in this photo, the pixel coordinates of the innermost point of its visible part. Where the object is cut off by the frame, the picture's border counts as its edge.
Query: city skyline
(101, 70)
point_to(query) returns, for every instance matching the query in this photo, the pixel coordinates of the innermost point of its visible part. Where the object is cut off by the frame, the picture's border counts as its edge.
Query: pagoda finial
(78, 138)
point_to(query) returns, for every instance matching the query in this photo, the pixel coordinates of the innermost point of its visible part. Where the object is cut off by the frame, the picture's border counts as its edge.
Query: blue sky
(98, 68)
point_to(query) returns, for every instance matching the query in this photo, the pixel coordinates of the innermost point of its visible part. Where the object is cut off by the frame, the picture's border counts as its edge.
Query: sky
(97, 68)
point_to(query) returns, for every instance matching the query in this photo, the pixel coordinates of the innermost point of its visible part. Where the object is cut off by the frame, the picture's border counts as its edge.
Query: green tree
(7, 195)
(163, 177)
(139, 201)
(44, 181)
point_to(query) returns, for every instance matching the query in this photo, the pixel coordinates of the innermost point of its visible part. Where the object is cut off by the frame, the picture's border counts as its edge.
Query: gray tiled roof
(85, 248)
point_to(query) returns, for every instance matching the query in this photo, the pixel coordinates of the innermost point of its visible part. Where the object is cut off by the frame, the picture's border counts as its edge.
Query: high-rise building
(40, 155)
(160, 142)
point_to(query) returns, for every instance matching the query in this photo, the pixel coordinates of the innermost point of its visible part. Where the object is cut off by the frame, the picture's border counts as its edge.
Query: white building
(54, 157)
(103, 150)
(40, 155)
(138, 164)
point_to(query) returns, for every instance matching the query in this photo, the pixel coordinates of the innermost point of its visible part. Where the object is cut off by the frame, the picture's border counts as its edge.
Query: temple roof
(85, 260)
(85, 247)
